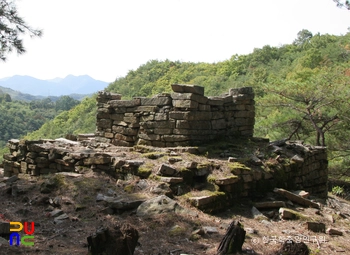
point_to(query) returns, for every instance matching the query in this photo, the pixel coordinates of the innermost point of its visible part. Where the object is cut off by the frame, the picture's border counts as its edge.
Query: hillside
(17, 118)
(302, 91)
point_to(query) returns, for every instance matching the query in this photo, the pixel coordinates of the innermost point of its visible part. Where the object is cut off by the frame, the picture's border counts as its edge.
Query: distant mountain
(71, 84)
(16, 95)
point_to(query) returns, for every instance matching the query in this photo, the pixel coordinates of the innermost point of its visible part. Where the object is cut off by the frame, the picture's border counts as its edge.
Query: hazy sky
(107, 38)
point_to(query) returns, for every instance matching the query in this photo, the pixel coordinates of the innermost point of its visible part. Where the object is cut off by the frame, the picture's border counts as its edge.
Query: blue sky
(105, 39)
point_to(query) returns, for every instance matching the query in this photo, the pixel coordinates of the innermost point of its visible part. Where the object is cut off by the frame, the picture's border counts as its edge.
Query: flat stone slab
(296, 198)
(333, 231)
(184, 88)
(227, 180)
(69, 174)
(171, 179)
(123, 202)
(270, 204)
(200, 201)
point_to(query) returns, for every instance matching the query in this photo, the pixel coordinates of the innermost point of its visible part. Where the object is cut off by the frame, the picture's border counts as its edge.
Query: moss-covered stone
(145, 170)
(153, 155)
(237, 167)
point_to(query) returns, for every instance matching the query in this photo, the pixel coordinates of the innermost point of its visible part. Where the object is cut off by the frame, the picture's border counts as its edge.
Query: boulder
(157, 205)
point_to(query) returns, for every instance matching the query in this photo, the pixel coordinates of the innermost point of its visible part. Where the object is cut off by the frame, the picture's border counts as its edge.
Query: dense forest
(302, 91)
(20, 117)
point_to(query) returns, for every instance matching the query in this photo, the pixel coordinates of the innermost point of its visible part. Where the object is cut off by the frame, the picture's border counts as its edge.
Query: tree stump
(291, 248)
(233, 239)
(113, 241)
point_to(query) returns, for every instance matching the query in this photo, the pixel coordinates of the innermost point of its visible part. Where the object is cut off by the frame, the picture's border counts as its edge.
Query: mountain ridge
(71, 84)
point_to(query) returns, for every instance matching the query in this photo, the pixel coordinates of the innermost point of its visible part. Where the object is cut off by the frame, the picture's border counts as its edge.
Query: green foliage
(80, 119)
(17, 118)
(338, 191)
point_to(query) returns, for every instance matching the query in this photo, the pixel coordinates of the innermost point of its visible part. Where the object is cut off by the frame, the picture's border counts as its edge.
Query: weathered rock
(210, 230)
(287, 214)
(61, 218)
(191, 165)
(162, 189)
(316, 226)
(181, 88)
(56, 213)
(157, 205)
(126, 202)
(171, 179)
(296, 198)
(227, 180)
(166, 170)
(333, 231)
(302, 193)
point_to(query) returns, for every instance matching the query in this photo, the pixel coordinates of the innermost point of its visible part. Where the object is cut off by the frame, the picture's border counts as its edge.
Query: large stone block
(156, 101)
(125, 130)
(125, 103)
(216, 101)
(117, 116)
(98, 159)
(125, 138)
(163, 131)
(190, 104)
(183, 88)
(146, 108)
(189, 96)
(175, 138)
(158, 124)
(150, 137)
(104, 123)
(179, 115)
(184, 124)
(218, 124)
(161, 116)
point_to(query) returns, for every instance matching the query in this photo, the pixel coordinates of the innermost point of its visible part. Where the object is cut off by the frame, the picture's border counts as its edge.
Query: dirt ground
(76, 196)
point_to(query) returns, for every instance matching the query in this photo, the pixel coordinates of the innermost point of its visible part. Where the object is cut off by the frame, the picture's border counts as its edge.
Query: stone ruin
(183, 118)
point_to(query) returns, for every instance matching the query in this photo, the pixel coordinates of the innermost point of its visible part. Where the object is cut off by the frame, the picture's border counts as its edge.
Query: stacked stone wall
(295, 166)
(185, 117)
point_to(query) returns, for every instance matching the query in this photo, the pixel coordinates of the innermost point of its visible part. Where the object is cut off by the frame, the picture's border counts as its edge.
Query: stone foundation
(290, 165)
